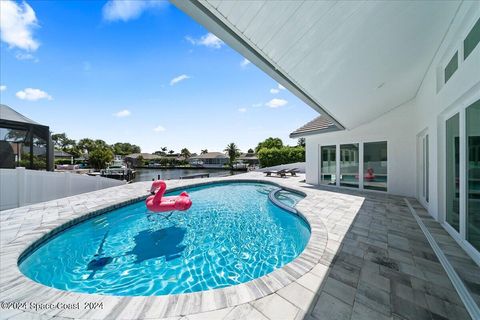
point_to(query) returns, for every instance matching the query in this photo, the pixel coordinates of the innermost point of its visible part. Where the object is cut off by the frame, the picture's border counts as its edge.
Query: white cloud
(3, 87)
(159, 129)
(242, 110)
(208, 40)
(245, 62)
(122, 113)
(274, 91)
(178, 79)
(256, 105)
(31, 94)
(275, 103)
(126, 10)
(25, 56)
(17, 22)
(280, 87)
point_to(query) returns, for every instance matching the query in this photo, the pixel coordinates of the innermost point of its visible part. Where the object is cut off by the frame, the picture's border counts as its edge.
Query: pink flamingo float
(158, 203)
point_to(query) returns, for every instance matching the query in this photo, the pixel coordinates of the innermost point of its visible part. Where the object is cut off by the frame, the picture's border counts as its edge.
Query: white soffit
(350, 60)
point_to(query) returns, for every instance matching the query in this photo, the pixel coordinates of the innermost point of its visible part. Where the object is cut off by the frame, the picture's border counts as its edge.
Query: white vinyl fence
(21, 187)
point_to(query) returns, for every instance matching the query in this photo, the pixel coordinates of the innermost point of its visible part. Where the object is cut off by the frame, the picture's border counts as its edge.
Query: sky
(137, 71)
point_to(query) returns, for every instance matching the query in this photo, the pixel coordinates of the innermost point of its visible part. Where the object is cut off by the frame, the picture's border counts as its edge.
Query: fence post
(68, 184)
(21, 184)
(98, 183)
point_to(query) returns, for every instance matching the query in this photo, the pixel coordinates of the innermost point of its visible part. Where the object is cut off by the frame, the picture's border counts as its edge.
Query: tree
(301, 142)
(16, 135)
(185, 153)
(250, 150)
(270, 143)
(164, 149)
(74, 150)
(62, 142)
(124, 148)
(58, 140)
(233, 153)
(171, 152)
(100, 157)
(100, 144)
(86, 145)
(204, 151)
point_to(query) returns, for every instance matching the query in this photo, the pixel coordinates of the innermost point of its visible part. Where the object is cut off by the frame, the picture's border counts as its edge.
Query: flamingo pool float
(158, 203)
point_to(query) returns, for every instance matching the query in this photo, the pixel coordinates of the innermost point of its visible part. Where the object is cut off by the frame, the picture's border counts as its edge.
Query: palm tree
(164, 149)
(185, 153)
(204, 151)
(233, 152)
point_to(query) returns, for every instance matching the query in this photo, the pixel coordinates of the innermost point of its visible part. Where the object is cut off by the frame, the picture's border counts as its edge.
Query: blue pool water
(231, 234)
(289, 198)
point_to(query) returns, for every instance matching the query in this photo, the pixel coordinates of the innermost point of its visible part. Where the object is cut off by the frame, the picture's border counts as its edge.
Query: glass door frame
(460, 236)
(423, 167)
(361, 145)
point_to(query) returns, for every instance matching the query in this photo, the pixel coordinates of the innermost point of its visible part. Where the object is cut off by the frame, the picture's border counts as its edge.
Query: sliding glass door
(424, 165)
(463, 177)
(453, 172)
(473, 174)
(328, 165)
(375, 165)
(349, 161)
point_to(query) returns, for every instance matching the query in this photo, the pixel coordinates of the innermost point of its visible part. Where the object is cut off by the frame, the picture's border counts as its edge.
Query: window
(375, 166)
(453, 172)
(328, 165)
(349, 159)
(471, 40)
(451, 67)
(473, 174)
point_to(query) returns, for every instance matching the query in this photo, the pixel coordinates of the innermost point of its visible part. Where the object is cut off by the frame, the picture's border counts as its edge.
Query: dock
(196, 175)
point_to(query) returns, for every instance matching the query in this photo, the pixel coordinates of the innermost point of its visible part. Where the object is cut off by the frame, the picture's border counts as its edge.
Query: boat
(118, 170)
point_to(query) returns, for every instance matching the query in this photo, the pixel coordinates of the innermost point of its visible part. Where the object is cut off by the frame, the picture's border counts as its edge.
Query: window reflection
(349, 161)
(452, 173)
(328, 165)
(375, 166)
(473, 174)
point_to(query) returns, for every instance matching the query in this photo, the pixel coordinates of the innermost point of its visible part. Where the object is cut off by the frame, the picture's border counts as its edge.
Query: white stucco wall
(425, 111)
(391, 128)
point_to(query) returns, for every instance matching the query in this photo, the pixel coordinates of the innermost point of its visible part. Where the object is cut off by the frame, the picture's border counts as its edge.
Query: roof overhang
(202, 13)
(352, 61)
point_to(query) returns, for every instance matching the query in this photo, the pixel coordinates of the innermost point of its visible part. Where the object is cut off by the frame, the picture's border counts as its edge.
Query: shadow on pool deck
(384, 267)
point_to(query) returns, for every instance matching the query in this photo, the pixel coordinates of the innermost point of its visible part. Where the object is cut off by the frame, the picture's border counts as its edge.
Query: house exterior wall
(218, 162)
(391, 128)
(434, 102)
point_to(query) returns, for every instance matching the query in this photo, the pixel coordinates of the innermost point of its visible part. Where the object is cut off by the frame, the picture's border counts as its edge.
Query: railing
(21, 187)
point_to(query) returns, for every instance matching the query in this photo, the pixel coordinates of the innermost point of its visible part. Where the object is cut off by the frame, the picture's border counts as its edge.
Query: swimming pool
(232, 234)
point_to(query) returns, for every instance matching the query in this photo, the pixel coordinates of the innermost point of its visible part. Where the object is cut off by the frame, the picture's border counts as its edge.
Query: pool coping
(18, 287)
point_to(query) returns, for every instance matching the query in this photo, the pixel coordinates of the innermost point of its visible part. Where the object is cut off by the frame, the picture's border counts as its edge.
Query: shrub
(276, 156)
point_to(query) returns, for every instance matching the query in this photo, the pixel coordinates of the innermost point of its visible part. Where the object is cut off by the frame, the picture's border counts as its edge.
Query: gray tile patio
(466, 268)
(367, 259)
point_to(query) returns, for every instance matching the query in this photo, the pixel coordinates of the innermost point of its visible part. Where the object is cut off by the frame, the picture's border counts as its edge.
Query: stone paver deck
(367, 259)
(465, 267)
